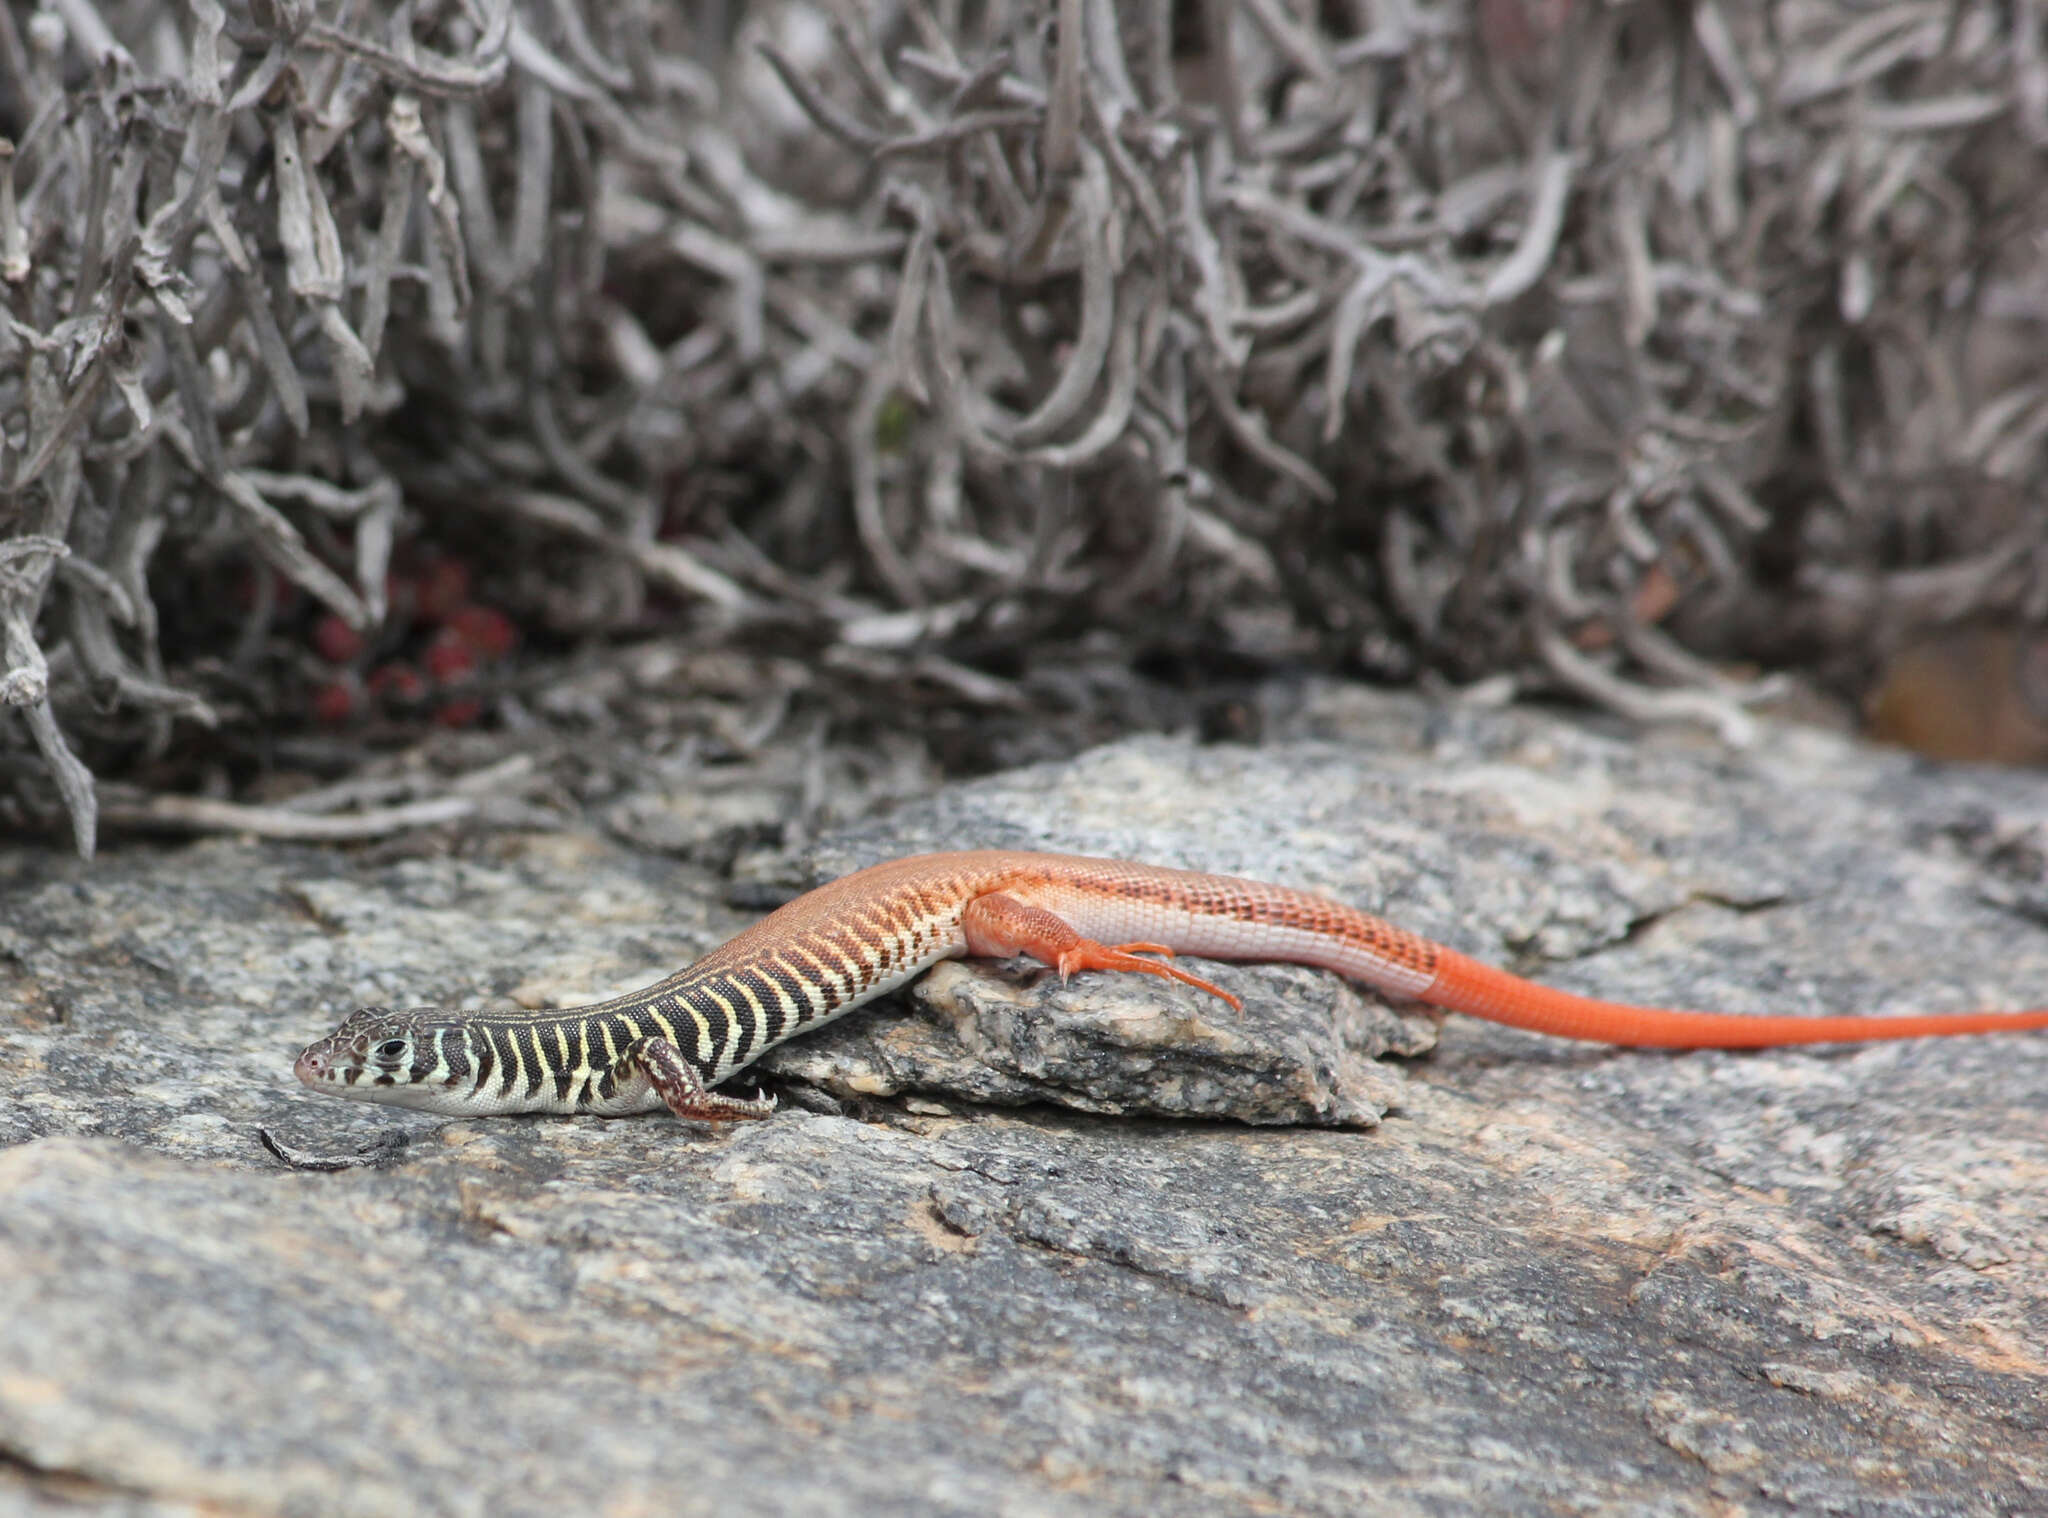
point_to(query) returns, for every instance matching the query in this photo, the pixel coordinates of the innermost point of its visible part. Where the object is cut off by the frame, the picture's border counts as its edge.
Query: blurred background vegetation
(402, 400)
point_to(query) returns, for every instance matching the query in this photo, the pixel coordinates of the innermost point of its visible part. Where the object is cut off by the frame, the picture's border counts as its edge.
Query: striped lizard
(867, 933)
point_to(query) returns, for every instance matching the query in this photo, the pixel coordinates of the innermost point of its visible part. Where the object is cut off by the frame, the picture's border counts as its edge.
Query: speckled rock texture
(1015, 1248)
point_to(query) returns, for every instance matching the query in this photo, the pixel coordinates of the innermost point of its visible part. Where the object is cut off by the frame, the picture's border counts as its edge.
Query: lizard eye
(391, 1051)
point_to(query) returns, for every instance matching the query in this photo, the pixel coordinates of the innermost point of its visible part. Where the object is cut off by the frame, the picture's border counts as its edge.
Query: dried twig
(201, 814)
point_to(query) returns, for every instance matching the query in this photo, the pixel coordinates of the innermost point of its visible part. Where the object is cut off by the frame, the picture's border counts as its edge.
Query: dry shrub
(1576, 344)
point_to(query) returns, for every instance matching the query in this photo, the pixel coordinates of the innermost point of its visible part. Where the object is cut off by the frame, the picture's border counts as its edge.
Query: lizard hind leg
(676, 1081)
(998, 926)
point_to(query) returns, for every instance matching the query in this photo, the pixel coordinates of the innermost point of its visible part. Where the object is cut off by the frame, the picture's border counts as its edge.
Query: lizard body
(858, 937)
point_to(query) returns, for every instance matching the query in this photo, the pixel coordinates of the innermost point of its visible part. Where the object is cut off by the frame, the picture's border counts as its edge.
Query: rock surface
(1515, 1275)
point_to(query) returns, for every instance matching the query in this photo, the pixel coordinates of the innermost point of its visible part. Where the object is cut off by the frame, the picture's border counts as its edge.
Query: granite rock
(1102, 1248)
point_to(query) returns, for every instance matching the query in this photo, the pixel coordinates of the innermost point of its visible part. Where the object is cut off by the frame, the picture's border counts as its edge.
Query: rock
(1302, 1051)
(1553, 1276)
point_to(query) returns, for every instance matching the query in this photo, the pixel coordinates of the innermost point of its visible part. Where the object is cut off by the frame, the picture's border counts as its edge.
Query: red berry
(337, 642)
(490, 633)
(449, 659)
(459, 713)
(335, 702)
(397, 682)
(444, 587)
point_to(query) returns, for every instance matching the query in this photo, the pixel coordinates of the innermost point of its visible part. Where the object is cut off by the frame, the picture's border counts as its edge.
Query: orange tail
(1466, 985)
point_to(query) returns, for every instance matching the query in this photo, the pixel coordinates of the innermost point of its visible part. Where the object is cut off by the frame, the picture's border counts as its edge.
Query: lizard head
(378, 1055)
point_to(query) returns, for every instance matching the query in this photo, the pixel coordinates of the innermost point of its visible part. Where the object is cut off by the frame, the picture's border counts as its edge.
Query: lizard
(858, 937)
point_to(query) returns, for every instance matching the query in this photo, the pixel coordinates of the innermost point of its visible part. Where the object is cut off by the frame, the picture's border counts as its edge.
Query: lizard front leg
(676, 1081)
